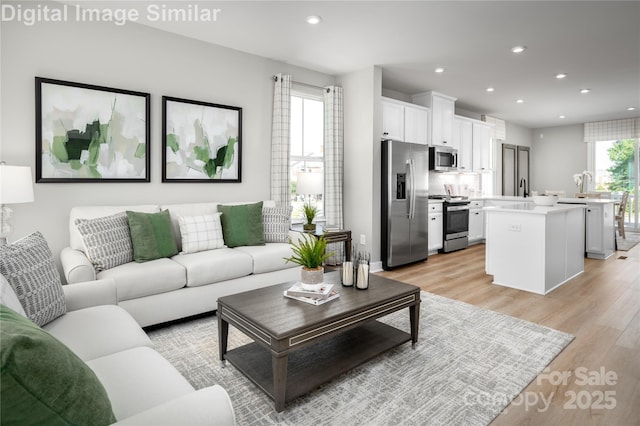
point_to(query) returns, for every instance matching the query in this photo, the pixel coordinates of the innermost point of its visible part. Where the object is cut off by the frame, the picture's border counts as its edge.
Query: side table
(342, 235)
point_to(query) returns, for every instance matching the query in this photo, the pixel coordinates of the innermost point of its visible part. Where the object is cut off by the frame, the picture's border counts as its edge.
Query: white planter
(312, 279)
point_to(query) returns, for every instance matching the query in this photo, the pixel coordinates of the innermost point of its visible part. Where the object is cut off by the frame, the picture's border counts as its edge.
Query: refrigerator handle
(412, 190)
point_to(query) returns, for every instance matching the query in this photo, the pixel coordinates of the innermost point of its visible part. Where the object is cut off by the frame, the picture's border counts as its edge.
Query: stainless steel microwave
(443, 159)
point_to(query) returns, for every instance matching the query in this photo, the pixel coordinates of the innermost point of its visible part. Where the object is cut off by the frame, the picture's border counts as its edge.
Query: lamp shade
(15, 184)
(309, 183)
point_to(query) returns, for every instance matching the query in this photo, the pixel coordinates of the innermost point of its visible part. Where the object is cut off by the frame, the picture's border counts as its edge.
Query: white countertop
(530, 208)
(530, 200)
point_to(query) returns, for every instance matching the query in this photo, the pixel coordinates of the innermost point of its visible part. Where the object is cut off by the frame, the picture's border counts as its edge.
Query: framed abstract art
(201, 141)
(87, 133)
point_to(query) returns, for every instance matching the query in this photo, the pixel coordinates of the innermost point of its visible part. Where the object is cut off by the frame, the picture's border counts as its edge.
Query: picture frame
(89, 133)
(201, 141)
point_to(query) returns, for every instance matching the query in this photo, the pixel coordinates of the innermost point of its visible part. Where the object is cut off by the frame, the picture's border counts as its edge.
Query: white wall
(557, 153)
(362, 157)
(138, 58)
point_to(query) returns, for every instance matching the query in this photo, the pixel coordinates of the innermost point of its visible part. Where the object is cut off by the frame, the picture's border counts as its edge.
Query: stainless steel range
(455, 214)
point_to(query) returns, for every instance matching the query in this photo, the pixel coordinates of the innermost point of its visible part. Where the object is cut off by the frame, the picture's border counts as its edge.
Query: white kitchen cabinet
(600, 231)
(436, 224)
(392, 121)
(442, 112)
(416, 125)
(404, 122)
(481, 134)
(463, 141)
(476, 221)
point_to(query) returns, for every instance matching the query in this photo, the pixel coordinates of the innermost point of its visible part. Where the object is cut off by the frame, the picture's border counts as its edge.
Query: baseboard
(375, 266)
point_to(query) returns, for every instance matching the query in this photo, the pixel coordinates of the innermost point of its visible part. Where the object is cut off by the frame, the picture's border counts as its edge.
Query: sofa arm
(76, 266)
(296, 236)
(208, 406)
(91, 293)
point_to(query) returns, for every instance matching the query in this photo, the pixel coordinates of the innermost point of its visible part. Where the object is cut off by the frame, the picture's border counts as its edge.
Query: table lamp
(15, 187)
(309, 183)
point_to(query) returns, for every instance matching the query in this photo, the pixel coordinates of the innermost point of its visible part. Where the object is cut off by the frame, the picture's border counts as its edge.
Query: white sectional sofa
(183, 285)
(142, 386)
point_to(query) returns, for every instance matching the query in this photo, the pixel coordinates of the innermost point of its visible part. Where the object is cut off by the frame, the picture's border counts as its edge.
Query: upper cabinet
(403, 121)
(392, 120)
(481, 146)
(442, 112)
(463, 140)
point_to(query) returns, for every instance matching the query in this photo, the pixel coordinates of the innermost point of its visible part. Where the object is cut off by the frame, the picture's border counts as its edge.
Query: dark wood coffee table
(297, 347)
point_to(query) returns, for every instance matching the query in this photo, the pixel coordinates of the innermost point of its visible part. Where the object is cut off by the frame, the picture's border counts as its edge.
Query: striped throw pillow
(107, 240)
(276, 222)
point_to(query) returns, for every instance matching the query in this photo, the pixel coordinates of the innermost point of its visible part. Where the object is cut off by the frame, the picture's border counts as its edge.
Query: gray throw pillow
(107, 240)
(276, 222)
(29, 267)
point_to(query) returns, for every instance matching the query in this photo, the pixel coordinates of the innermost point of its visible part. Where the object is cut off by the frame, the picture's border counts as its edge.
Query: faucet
(523, 184)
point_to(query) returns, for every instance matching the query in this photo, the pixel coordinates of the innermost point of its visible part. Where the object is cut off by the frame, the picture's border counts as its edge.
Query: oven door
(456, 222)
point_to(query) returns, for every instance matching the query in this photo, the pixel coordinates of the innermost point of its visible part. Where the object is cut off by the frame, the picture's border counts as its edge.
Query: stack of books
(325, 294)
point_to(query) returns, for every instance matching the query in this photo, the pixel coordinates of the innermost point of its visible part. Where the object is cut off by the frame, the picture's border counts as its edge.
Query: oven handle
(457, 208)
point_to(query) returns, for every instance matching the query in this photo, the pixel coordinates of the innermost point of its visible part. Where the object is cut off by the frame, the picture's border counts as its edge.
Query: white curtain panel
(280, 140)
(612, 130)
(333, 164)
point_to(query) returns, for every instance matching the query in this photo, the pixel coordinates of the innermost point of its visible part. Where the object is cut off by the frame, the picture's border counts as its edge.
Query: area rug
(626, 244)
(468, 365)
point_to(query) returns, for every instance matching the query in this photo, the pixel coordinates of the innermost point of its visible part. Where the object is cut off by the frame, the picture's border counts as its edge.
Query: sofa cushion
(213, 266)
(43, 382)
(29, 267)
(151, 235)
(107, 240)
(93, 212)
(138, 379)
(200, 233)
(144, 279)
(188, 209)
(9, 298)
(98, 331)
(242, 224)
(269, 257)
(276, 222)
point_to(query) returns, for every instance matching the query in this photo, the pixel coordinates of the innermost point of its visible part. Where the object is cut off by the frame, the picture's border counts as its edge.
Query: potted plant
(309, 212)
(310, 253)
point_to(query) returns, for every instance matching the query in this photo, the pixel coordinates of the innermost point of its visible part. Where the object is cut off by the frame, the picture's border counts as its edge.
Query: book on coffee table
(298, 291)
(332, 295)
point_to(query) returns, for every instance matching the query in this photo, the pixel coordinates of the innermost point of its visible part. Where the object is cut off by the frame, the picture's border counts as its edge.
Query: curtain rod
(275, 78)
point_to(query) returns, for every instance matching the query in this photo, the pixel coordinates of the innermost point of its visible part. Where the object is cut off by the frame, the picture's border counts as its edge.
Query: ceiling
(596, 43)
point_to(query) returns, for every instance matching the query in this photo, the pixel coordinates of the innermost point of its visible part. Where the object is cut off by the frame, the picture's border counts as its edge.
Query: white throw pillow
(9, 298)
(200, 233)
(107, 240)
(29, 267)
(276, 222)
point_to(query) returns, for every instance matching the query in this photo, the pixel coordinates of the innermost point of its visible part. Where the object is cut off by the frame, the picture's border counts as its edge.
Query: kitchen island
(534, 248)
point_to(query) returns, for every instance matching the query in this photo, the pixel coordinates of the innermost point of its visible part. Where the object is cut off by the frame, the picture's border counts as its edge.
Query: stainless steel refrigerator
(405, 196)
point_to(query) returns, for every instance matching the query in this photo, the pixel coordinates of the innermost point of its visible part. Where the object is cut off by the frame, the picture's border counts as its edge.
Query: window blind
(612, 130)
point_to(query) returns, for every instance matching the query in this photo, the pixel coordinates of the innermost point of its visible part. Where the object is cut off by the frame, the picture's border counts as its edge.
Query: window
(616, 166)
(307, 148)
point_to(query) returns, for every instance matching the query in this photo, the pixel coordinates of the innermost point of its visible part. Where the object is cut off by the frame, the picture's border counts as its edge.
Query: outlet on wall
(514, 227)
(363, 239)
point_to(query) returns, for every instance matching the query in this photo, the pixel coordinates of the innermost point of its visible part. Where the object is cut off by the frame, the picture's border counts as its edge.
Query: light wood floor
(601, 308)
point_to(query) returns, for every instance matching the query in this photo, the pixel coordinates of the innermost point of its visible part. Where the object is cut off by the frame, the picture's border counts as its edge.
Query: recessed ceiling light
(585, 90)
(490, 89)
(631, 109)
(562, 116)
(314, 19)
(519, 101)
(439, 70)
(518, 49)
(560, 76)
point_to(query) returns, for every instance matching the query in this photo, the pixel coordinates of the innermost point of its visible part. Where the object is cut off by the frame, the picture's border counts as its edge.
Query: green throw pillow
(151, 235)
(43, 382)
(242, 225)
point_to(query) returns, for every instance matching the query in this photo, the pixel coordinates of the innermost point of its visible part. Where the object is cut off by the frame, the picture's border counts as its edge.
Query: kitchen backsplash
(465, 184)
